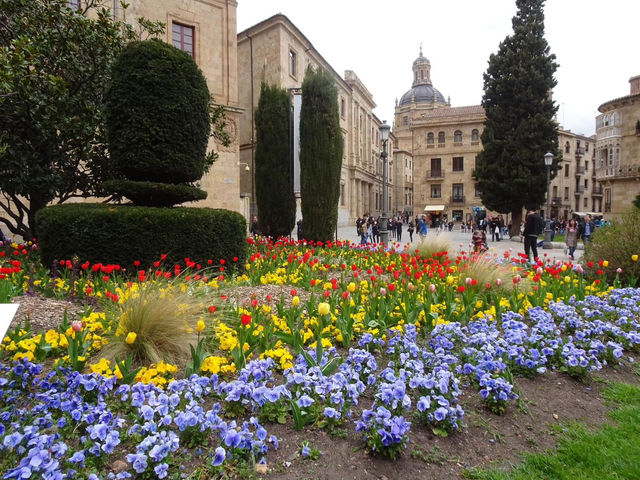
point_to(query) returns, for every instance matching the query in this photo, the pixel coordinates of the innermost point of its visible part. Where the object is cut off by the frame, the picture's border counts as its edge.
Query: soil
(547, 404)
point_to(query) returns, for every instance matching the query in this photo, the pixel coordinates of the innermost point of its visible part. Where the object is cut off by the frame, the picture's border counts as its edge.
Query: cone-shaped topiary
(157, 115)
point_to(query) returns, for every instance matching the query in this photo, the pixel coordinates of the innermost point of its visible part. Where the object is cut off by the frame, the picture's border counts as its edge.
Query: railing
(435, 173)
(579, 152)
(579, 190)
(579, 170)
(597, 192)
(556, 201)
(456, 199)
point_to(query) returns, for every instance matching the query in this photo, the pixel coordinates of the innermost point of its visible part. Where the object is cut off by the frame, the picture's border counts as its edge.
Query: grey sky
(596, 44)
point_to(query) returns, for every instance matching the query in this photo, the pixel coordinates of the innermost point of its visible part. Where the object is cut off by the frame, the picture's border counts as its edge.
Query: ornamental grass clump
(434, 244)
(616, 247)
(154, 323)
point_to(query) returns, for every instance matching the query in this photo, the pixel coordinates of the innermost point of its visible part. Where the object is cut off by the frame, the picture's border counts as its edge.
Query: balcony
(579, 170)
(597, 192)
(432, 174)
(579, 190)
(456, 199)
(556, 201)
(579, 152)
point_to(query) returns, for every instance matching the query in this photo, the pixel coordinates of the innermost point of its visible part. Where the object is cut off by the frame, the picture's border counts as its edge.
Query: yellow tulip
(295, 301)
(323, 308)
(200, 326)
(634, 257)
(131, 338)
(352, 286)
(605, 264)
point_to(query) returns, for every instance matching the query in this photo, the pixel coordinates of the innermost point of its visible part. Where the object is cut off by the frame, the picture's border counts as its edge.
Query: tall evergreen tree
(321, 148)
(520, 126)
(274, 182)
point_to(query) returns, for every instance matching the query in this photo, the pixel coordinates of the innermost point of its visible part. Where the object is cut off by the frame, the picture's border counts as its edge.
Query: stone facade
(617, 158)
(275, 51)
(444, 142)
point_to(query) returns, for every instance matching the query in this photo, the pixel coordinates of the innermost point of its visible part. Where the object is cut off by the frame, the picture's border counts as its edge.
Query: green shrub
(157, 114)
(122, 234)
(154, 194)
(617, 244)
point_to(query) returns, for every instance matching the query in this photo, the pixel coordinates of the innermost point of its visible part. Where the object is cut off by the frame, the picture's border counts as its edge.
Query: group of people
(369, 228)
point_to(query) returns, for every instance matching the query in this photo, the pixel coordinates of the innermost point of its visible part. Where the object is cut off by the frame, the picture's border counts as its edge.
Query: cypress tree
(520, 126)
(274, 183)
(321, 148)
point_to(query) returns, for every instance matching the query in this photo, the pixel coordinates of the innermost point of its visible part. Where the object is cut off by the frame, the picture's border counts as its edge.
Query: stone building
(275, 51)
(444, 142)
(617, 160)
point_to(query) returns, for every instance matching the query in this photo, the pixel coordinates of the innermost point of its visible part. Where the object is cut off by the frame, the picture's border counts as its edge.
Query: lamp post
(384, 136)
(548, 159)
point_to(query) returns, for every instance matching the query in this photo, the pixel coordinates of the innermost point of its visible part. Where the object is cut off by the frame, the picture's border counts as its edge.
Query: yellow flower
(352, 286)
(323, 308)
(295, 301)
(634, 257)
(131, 338)
(605, 263)
(200, 326)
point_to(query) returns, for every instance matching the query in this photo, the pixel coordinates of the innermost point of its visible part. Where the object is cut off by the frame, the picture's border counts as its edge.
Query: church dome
(422, 94)
(422, 90)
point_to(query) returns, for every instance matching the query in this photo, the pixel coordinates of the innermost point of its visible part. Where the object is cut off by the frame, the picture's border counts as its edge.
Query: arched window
(567, 147)
(430, 138)
(457, 136)
(475, 136)
(440, 137)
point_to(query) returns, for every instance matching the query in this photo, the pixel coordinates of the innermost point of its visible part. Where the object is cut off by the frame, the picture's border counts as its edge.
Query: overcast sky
(596, 44)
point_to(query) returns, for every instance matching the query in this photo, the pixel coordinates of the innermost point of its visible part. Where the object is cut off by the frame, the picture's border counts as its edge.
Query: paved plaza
(462, 241)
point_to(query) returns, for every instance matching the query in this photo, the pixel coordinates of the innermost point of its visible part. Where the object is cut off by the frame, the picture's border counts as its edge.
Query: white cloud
(595, 43)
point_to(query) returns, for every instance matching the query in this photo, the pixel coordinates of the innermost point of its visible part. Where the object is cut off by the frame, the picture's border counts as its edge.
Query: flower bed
(358, 339)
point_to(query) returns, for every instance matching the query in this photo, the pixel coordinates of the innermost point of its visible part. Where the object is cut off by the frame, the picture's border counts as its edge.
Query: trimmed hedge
(117, 234)
(157, 114)
(154, 194)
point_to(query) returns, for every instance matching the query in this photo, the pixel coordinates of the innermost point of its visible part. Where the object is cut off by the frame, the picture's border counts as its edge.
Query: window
(586, 184)
(586, 165)
(566, 193)
(73, 4)
(436, 167)
(430, 138)
(566, 170)
(342, 194)
(436, 191)
(457, 136)
(555, 191)
(293, 63)
(342, 107)
(457, 192)
(585, 203)
(567, 147)
(458, 164)
(586, 146)
(183, 38)
(477, 192)
(405, 120)
(441, 137)
(475, 136)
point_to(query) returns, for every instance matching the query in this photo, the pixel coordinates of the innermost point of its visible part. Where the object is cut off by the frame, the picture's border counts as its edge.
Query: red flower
(392, 287)
(293, 292)
(589, 264)
(136, 263)
(212, 308)
(254, 303)
(461, 288)
(345, 295)
(223, 261)
(163, 257)
(235, 259)
(327, 293)
(246, 319)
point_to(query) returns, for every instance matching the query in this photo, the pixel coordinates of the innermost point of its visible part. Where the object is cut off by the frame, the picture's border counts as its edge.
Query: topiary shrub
(157, 114)
(122, 234)
(154, 194)
(619, 245)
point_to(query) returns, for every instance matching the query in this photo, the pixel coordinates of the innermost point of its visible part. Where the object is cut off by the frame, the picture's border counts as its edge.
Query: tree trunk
(516, 219)
(36, 204)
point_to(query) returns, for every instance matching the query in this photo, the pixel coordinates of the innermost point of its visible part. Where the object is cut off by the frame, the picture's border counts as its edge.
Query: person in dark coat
(399, 231)
(531, 224)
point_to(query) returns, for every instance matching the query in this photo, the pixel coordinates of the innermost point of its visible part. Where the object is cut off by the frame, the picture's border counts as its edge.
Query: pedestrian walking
(399, 231)
(531, 231)
(571, 237)
(410, 230)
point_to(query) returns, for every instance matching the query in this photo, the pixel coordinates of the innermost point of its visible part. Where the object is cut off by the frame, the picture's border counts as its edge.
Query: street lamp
(384, 136)
(548, 160)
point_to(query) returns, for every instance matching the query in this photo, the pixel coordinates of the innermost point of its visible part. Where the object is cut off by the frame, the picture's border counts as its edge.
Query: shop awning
(434, 208)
